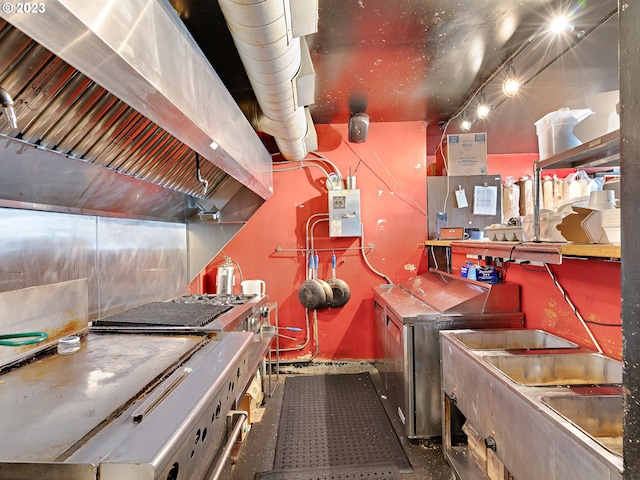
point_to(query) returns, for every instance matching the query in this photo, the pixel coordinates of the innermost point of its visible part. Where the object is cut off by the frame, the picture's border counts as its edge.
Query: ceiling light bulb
(483, 108)
(560, 24)
(510, 87)
(511, 84)
(483, 111)
(465, 123)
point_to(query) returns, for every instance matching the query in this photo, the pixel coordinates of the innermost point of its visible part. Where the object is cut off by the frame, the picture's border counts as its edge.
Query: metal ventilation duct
(269, 37)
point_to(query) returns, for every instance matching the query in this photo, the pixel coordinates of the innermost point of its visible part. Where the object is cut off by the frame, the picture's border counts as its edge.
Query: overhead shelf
(600, 152)
(544, 252)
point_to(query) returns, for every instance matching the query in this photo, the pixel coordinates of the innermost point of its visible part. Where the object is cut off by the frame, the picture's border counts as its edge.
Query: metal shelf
(600, 152)
(533, 251)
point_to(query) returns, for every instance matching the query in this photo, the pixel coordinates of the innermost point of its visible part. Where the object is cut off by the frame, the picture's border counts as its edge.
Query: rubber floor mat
(333, 473)
(335, 420)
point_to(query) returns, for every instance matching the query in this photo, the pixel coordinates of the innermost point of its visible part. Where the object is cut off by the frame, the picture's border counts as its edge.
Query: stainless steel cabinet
(407, 326)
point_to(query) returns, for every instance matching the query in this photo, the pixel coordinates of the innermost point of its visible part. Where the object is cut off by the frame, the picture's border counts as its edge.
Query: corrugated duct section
(269, 36)
(62, 110)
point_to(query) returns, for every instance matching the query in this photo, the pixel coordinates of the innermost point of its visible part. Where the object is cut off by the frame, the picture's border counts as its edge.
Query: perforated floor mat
(334, 473)
(335, 420)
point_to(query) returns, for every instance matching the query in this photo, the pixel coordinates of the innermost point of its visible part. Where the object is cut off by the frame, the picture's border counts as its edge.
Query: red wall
(390, 168)
(592, 286)
(391, 177)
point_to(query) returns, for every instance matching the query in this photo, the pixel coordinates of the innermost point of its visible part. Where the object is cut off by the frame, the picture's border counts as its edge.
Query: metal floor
(258, 450)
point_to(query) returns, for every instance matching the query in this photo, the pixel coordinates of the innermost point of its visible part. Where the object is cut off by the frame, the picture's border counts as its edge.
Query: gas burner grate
(165, 314)
(214, 299)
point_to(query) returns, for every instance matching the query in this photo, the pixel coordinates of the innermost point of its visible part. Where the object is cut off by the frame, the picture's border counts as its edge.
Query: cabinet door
(394, 353)
(378, 331)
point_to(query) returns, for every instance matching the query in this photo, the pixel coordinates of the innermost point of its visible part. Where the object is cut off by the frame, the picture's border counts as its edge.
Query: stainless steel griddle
(146, 397)
(124, 406)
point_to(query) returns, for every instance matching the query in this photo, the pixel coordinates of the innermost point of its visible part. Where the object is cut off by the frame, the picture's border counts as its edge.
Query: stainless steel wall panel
(126, 262)
(139, 262)
(42, 248)
(59, 309)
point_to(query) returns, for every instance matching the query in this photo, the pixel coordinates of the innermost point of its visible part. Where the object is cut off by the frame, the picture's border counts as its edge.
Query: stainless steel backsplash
(127, 262)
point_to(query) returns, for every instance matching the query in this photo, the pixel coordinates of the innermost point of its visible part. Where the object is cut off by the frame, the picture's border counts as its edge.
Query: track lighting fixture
(511, 84)
(483, 107)
(465, 123)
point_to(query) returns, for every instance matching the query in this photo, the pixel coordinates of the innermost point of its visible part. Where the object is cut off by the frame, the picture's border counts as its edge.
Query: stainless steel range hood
(102, 90)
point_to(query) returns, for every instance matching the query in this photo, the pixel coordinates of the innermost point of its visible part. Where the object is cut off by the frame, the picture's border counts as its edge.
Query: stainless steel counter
(567, 426)
(408, 318)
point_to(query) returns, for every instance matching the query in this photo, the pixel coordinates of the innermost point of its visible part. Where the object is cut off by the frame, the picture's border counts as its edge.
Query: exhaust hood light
(511, 84)
(465, 123)
(7, 108)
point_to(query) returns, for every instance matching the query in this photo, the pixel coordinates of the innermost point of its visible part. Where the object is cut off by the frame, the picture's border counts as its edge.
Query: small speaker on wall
(358, 127)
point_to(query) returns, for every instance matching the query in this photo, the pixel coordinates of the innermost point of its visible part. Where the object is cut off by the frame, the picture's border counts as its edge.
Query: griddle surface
(49, 405)
(165, 314)
(335, 420)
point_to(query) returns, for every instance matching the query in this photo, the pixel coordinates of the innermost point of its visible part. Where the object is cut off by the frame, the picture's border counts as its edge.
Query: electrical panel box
(344, 213)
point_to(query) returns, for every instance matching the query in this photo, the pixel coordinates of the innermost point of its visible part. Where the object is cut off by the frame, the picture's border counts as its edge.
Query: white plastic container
(548, 223)
(505, 233)
(555, 131)
(610, 221)
(605, 118)
(253, 287)
(68, 345)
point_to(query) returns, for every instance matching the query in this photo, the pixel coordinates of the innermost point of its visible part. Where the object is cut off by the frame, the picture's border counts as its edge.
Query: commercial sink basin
(558, 369)
(568, 402)
(513, 339)
(599, 416)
